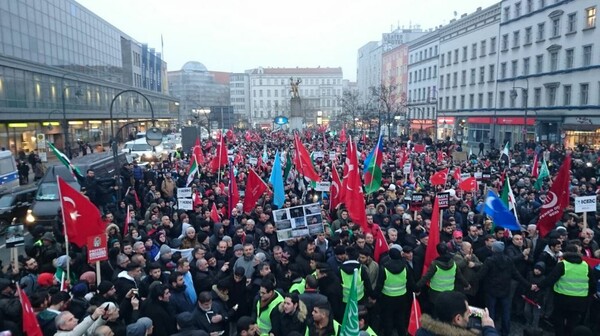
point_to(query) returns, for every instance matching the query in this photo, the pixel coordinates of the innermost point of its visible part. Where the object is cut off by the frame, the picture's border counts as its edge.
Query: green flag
(288, 166)
(65, 160)
(350, 324)
(543, 174)
(192, 171)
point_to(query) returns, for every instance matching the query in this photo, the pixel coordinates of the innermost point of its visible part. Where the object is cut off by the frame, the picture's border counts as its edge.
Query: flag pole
(62, 211)
(375, 158)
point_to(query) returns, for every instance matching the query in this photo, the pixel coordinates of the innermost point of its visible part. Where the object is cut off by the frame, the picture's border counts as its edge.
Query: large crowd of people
(225, 272)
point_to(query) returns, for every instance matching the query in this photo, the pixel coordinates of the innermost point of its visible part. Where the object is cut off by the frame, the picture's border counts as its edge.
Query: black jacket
(496, 273)
(161, 315)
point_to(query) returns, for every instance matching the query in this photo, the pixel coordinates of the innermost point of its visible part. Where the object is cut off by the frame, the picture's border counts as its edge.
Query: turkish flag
(535, 170)
(381, 245)
(198, 151)
(234, 196)
(31, 326)
(214, 214)
(440, 156)
(439, 178)
(303, 161)
(352, 186)
(468, 184)
(557, 199)
(419, 148)
(255, 188)
(336, 193)
(196, 198)
(220, 158)
(415, 316)
(434, 237)
(343, 135)
(456, 174)
(81, 217)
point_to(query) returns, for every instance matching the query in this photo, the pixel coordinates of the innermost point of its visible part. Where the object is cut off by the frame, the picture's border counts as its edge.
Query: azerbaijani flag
(372, 170)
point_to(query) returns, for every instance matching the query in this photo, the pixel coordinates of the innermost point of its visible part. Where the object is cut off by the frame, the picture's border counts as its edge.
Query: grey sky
(235, 35)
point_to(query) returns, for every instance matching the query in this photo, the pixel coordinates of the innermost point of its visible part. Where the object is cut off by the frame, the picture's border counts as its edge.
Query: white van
(141, 151)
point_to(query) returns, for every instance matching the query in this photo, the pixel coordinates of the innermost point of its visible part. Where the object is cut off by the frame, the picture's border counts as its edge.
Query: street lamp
(153, 135)
(78, 93)
(514, 95)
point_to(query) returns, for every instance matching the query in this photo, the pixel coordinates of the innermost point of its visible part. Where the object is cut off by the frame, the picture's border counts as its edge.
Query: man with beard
(183, 267)
(210, 316)
(28, 280)
(155, 273)
(307, 249)
(246, 261)
(179, 301)
(158, 310)
(293, 316)
(324, 323)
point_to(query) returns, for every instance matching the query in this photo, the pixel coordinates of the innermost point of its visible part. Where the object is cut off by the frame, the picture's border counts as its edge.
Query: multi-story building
(468, 53)
(198, 90)
(549, 70)
(319, 90)
(422, 85)
(239, 89)
(368, 70)
(61, 66)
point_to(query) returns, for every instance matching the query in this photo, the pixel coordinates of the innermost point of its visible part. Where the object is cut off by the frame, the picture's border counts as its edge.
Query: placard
(97, 250)
(298, 221)
(406, 169)
(185, 204)
(318, 155)
(478, 175)
(253, 161)
(443, 200)
(416, 203)
(459, 156)
(15, 236)
(323, 186)
(332, 155)
(184, 192)
(585, 204)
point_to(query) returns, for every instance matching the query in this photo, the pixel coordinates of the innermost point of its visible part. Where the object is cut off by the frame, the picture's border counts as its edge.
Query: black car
(14, 205)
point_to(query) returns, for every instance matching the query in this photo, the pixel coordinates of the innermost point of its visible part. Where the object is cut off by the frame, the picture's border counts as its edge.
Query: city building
(549, 70)
(61, 67)
(467, 67)
(199, 91)
(239, 89)
(270, 93)
(422, 86)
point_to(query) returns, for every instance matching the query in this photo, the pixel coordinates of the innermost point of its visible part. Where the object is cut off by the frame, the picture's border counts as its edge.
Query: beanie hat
(395, 254)
(201, 236)
(261, 256)
(46, 279)
(498, 247)
(79, 290)
(238, 247)
(89, 277)
(226, 239)
(139, 328)
(165, 249)
(540, 265)
(104, 287)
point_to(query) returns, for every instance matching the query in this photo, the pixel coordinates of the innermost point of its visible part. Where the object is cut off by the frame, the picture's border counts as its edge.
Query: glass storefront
(589, 138)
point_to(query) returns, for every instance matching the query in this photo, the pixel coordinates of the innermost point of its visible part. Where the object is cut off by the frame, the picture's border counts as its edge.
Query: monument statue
(294, 85)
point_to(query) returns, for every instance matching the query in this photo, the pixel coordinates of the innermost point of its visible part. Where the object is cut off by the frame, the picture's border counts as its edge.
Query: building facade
(422, 86)
(468, 54)
(270, 94)
(240, 98)
(368, 69)
(61, 67)
(549, 71)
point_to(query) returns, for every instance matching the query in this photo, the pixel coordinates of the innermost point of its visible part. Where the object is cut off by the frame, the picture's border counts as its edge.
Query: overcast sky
(236, 35)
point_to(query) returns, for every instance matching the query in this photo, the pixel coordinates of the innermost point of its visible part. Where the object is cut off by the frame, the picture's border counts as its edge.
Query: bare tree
(390, 103)
(350, 107)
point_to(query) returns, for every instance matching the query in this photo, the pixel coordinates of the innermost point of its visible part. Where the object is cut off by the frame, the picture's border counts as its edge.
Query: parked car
(140, 150)
(14, 205)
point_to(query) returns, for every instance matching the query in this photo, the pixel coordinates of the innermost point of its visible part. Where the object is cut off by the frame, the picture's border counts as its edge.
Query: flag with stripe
(65, 160)
(192, 171)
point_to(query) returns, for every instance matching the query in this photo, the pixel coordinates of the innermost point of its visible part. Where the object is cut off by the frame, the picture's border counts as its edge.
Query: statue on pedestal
(294, 85)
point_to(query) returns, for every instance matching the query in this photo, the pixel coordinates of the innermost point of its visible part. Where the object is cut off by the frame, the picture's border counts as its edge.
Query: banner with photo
(298, 221)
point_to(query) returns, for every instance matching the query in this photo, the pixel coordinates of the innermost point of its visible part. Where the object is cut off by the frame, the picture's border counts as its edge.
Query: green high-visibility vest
(347, 282)
(370, 331)
(443, 281)
(263, 319)
(394, 284)
(336, 329)
(575, 280)
(298, 287)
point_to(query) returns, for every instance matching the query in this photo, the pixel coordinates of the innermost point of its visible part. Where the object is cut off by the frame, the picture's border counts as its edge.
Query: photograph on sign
(184, 192)
(15, 235)
(298, 221)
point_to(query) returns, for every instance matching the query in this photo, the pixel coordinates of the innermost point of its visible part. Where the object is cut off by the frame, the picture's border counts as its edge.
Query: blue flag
(378, 146)
(495, 208)
(276, 180)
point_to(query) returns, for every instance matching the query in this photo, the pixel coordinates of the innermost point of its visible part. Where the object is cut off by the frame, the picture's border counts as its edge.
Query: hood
(301, 312)
(395, 266)
(216, 228)
(444, 262)
(572, 257)
(349, 265)
(111, 226)
(123, 274)
(440, 328)
(224, 297)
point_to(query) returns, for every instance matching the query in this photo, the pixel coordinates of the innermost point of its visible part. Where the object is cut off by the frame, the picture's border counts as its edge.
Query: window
(541, 31)
(504, 42)
(502, 70)
(506, 14)
(542, 4)
(537, 97)
(454, 102)
(455, 56)
(448, 81)
(553, 60)
(462, 102)
(583, 93)
(448, 58)
(551, 95)
(442, 60)
(474, 50)
(529, 6)
(481, 75)
(590, 17)
(471, 101)
(556, 27)
(528, 35)
(587, 55)
(514, 68)
(526, 66)
(441, 80)
(491, 73)
(566, 95)
(455, 79)
(464, 55)
(472, 82)
(518, 9)
(480, 100)
(539, 64)
(516, 38)
(492, 45)
(463, 78)
(569, 54)
(572, 23)
(434, 71)
(483, 47)
(490, 99)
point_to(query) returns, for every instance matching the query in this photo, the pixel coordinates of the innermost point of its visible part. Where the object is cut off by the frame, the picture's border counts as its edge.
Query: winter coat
(496, 274)
(179, 301)
(85, 327)
(287, 323)
(444, 262)
(123, 284)
(161, 315)
(431, 327)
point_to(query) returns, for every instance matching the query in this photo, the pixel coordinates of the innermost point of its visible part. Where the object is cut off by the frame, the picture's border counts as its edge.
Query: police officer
(573, 283)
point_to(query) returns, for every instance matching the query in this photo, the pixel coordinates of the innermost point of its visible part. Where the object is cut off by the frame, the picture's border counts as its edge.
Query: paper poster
(298, 221)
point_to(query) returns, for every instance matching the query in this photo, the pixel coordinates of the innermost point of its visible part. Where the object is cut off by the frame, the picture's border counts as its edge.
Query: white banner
(585, 204)
(184, 192)
(323, 186)
(185, 204)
